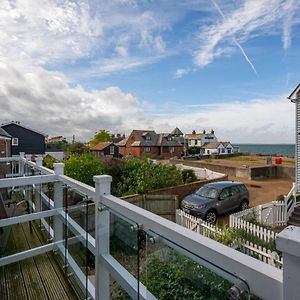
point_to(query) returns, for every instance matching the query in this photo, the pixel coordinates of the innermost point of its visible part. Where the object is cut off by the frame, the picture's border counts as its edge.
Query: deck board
(34, 278)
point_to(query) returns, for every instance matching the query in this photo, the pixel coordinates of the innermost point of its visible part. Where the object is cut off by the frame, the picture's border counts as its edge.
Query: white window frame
(112, 150)
(15, 141)
(147, 149)
(171, 149)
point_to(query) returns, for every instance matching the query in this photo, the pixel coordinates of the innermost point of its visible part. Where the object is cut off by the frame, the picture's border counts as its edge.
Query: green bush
(188, 176)
(142, 176)
(83, 167)
(193, 150)
(168, 275)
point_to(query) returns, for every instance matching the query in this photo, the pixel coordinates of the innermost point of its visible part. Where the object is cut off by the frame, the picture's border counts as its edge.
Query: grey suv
(216, 198)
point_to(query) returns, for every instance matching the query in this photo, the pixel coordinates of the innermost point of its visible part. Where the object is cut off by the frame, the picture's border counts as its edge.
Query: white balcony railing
(241, 270)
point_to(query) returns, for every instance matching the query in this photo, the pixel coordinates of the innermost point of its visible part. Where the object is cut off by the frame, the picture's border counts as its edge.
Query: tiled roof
(18, 124)
(225, 144)
(4, 133)
(101, 146)
(212, 145)
(176, 131)
(142, 134)
(167, 140)
(122, 142)
(193, 136)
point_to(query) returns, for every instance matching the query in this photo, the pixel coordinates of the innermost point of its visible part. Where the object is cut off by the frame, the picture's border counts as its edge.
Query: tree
(83, 167)
(100, 136)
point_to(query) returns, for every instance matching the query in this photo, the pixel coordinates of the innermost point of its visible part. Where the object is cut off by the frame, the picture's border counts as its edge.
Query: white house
(218, 148)
(214, 148)
(229, 149)
(199, 139)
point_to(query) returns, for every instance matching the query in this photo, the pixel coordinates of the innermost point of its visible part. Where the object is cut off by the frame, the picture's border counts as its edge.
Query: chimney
(194, 132)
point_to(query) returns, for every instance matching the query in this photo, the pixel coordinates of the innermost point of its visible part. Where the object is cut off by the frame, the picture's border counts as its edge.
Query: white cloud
(256, 121)
(181, 72)
(251, 18)
(43, 100)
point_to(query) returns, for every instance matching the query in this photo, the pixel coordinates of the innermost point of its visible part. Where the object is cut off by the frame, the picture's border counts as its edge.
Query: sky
(75, 67)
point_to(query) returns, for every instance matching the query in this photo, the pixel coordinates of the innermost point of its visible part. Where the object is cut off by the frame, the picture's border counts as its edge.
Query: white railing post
(288, 242)
(37, 194)
(102, 236)
(58, 202)
(21, 164)
(39, 161)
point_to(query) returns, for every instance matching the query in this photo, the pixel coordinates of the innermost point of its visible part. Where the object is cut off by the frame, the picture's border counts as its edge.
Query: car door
(225, 200)
(236, 198)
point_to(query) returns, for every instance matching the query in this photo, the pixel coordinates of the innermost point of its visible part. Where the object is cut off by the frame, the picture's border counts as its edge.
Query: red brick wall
(139, 151)
(3, 148)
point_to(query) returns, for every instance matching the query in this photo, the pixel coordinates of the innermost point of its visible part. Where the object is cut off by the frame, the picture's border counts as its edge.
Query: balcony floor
(35, 278)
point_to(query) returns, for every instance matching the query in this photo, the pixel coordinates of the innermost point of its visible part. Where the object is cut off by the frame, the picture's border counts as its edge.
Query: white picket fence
(247, 247)
(272, 214)
(237, 221)
(196, 224)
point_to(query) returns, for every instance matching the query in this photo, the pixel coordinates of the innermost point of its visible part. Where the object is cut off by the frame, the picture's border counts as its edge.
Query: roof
(156, 139)
(225, 144)
(18, 124)
(122, 142)
(222, 184)
(193, 136)
(142, 138)
(295, 95)
(101, 146)
(176, 131)
(167, 140)
(4, 133)
(212, 145)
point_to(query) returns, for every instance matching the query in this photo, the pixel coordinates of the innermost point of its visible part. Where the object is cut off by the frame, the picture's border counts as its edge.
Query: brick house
(157, 145)
(5, 143)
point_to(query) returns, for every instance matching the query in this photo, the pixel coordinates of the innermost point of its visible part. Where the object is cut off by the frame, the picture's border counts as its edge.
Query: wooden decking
(35, 278)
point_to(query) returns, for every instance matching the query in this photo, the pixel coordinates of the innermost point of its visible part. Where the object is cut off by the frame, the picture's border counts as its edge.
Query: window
(111, 150)
(171, 149)
(223, 150)
(235, 190)
(196, 142)
(147, 149)
(148, 137)
(190, 142)
(225, 194)
(15, 142)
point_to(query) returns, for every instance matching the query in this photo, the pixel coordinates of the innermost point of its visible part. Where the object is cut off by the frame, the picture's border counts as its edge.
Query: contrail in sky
(234, 39)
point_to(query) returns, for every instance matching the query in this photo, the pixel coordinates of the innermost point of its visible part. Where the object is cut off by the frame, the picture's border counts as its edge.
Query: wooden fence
(245, 246)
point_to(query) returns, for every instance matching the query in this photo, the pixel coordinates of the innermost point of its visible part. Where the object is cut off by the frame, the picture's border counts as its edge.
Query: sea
(287, 150)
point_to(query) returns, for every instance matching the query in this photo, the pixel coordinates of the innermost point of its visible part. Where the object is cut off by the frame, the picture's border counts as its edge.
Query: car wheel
(211, 217)
(244, 205)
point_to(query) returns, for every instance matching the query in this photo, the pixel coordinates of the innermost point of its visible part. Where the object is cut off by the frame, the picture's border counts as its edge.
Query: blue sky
(73, 67)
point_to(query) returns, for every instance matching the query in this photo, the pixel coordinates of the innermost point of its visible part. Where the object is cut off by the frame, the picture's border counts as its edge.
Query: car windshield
(207, 192)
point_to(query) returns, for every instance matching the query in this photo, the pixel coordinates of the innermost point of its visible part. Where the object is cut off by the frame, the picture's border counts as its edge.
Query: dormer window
(15, 142)
(148, 137)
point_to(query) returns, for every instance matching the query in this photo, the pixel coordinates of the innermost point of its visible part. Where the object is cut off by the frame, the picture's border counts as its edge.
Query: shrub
(188, 176)
(141, 176)
(83, 167)
(169, 275)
